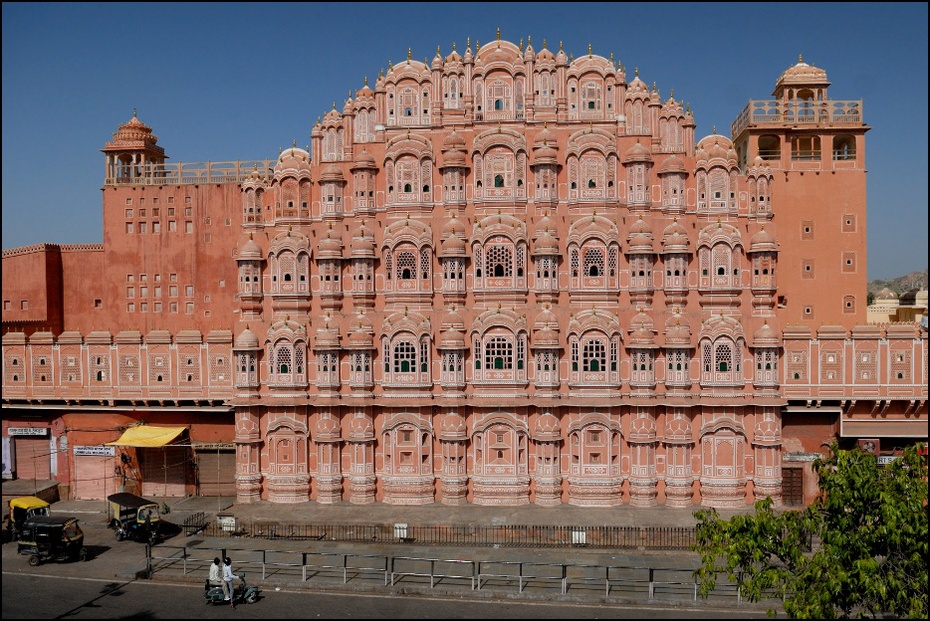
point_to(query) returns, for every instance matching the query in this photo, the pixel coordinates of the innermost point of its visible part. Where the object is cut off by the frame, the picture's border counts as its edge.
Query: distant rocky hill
(914, 280)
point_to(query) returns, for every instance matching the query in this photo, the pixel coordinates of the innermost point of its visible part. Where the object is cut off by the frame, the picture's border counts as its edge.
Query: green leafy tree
(860, 549)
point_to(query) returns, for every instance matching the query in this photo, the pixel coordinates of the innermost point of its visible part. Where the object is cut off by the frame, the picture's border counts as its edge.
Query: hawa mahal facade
(508, 276)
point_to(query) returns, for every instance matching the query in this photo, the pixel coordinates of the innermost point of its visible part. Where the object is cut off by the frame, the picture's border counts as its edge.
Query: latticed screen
(901, 365)
(283, 359)
(406, 266)
(405, 357)
(498, 353)
(500, 261)
(594, 356)
(865, 366)
(298, 359)
(594, 262)
(724, 357)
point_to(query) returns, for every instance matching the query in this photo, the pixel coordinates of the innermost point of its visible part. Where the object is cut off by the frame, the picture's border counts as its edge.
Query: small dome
(363, 242)
(451, 338)
(802, 74)
(361, 427)
(545, 155)
(247, 340)
(330, 247)
(763, 241)
(637, 153)
(250, 251)
(672, 164)
(365, 160)
(544, 137)
(293, 159)
(548, 428)
(675, 239)
(452, 246)
(546, 245)
(328, 429)
(716, 152)
(453, 427)
(886, 294)
(453, 141)
(642, 333)
(454, 158)
(765, 336)
(677, 332)
(332, 173)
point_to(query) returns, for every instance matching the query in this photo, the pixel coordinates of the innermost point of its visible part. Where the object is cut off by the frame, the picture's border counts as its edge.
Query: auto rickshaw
(21, 509)
(134, 517)
(52, 538)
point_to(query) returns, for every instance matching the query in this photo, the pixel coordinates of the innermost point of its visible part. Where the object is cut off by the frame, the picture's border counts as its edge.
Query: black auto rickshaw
(52, 538)
(134, 517)
(21, 509)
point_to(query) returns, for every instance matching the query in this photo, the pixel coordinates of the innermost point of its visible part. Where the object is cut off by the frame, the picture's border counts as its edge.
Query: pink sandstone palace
(508, 276)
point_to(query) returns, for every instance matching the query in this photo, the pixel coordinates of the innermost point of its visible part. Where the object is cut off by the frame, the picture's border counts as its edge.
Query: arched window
(498, 181)
(405, 357)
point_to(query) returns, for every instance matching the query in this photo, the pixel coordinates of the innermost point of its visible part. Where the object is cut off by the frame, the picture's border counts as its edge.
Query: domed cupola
(451, 334)
(250, 251)
(642, 333)
(672, 165)
(763, 241)
(640, 240)
(293, 162)
(546, 330)
(765, 336)
(330, 247)
(361, 428)
(637, 153)
(453, 427)
(363, 161)
(675, 239)
(547, 428)
(133, 153)
(453, 243)
(247, 340)
(561, 58)
(677, 332)
(361, 332)
(363, 243)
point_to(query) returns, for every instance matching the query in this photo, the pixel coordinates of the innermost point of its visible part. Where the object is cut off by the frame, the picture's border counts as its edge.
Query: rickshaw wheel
(82, 555)
(34, 560)
(119, 535)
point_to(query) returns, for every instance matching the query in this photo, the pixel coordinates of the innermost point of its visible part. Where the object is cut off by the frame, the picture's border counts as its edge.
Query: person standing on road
(216, 574)
(228, 588)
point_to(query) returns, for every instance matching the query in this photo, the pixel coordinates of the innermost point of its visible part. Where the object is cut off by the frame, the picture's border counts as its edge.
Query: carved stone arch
(724, 422)
(499, 137)
(396, 419)
(500, 224)
(489, 419)
(595, 226)
(595, 320)
(592, 66)
(596, 139)
(289, 423)
(722, 325)
(414, 323)
(500, 317)
(408, 230)
(416, 145)
(587, 419)
(720, 232)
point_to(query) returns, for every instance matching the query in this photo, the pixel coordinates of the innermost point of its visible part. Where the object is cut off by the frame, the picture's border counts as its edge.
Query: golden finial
(571, 58)
(453, 46)
(334, 105)
(405, 311)
(529, 40)
(498, 33)
(715, 130)
(560, 47)
(671, 94)
(279, 150)
(409, 54)
(611, 58)
(134, 112)
(294, 144)
(521, 44)
(390, 65)
(438, 51)
(636, 71)
(366, 80)
(590, 50)
(381, 72)
(654, 86)
(467, 43)
(544, 44)
(800, 58)
(477, 45)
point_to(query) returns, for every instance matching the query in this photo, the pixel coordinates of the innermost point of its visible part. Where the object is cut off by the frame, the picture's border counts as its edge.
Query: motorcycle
(242, 593)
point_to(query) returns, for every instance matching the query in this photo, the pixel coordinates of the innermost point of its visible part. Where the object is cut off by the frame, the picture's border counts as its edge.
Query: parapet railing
(620, 537)
(185, 173)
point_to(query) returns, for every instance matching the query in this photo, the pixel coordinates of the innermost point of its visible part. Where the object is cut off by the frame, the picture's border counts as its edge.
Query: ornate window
(766, 366)
(676, 272)
(332, 145)
(643, 373)
(719, 267)
(500, 356)
(407, 360)
(721, 360)
(290, 272)
(593, 265)
(500, 264)
(678, 372)
(328, 369)
(288, 363)
(594, 358)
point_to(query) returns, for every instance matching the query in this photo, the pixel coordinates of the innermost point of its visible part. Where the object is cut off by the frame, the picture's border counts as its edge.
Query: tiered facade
(503, 277)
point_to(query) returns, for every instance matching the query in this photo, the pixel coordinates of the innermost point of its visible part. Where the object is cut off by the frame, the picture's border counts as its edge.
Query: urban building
(508, 276)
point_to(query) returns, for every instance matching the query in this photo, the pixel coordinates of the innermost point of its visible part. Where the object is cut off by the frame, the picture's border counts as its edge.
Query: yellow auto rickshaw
(134, 517)
(21, 509)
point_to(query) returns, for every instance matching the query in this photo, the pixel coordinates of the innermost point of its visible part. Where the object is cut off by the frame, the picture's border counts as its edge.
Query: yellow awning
(147, 436)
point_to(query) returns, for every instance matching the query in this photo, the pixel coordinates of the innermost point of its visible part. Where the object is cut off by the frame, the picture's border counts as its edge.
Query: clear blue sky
(230, 81)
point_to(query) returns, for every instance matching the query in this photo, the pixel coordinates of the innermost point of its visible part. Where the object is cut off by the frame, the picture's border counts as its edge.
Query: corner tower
(815, 147)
